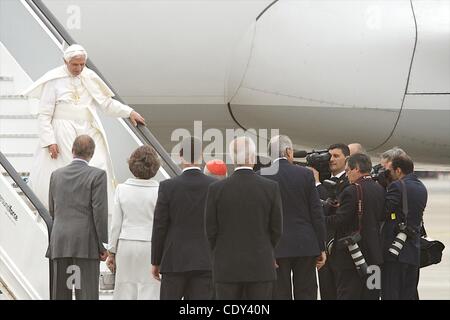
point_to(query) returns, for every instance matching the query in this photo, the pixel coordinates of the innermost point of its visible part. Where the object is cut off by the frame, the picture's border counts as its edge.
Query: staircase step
(18, 155)
(25, 177)
(22, 164)
(12, 182)
(22, 174)
(106, 291)
(18, 116)
(105, 294)
(18, 144)
(17, 105)
(18, 126)
(18, 135)
(13, 97)
(7, 87)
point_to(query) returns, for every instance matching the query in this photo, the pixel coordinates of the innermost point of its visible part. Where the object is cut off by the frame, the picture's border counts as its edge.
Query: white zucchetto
(74, 50)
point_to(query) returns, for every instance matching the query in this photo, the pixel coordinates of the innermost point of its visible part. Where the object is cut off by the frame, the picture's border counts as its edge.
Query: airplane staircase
(24, 223)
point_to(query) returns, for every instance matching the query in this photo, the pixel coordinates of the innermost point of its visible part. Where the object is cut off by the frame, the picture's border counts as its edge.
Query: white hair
(243, 150)
(390, 154)
(278, 146)
(74, 51)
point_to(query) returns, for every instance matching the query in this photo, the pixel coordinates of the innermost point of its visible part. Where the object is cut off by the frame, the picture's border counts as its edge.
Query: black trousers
(299, 272)
(81, 274)
(327, 281)
(399, 281)
(244, 290)
(350, 286)
(190, 285)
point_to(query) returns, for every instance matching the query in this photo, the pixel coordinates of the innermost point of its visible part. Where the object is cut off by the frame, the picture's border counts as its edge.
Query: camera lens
(358, 259)
(398, 244)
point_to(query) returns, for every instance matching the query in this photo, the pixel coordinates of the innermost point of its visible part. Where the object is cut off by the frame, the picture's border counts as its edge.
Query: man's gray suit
(78, 204)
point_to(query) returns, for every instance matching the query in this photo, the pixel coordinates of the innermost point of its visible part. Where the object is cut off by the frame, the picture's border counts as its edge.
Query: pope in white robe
(69, 96)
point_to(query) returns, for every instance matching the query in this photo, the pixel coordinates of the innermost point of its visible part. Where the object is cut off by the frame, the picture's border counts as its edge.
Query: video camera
(381, 175)
(317, 159)
(332, 188)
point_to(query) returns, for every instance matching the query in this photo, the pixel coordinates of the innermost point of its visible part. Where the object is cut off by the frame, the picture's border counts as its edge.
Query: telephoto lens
(398, 244)
(358, 259)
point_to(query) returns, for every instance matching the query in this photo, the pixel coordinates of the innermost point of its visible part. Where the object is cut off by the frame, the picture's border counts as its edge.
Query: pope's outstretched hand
(136, 118)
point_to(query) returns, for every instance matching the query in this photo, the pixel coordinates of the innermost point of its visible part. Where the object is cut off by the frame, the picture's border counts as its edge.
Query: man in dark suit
(243, 223)
(302, 244)
(400, 271)
(357, 214)
(339, 153)
(79, 206)
(180, 251)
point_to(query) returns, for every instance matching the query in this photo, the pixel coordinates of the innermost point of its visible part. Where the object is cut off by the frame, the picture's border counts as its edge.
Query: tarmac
(434, 281)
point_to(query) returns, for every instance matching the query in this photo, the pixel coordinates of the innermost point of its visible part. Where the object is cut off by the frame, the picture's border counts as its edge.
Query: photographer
(357, 221)
(406, 199)
(381, 172)
(387, 156)
(339, 153)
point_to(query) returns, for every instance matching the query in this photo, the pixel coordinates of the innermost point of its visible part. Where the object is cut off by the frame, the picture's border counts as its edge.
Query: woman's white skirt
(134, 279)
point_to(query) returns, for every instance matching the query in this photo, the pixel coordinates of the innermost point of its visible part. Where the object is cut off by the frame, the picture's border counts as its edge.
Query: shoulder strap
(359, 204)
(423, 231)
(404, 200)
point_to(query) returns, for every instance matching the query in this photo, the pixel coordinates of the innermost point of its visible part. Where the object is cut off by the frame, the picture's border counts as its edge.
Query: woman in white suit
(131, 230)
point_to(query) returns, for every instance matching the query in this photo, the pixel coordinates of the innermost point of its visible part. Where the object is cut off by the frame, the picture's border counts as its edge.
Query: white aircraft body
(373, 72)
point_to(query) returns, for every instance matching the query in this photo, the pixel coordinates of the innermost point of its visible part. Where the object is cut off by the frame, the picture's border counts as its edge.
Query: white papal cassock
(67, 109)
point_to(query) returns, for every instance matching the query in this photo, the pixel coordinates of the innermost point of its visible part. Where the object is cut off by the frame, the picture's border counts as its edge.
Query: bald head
(356, 148)
(83, 147)
(243, 151)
